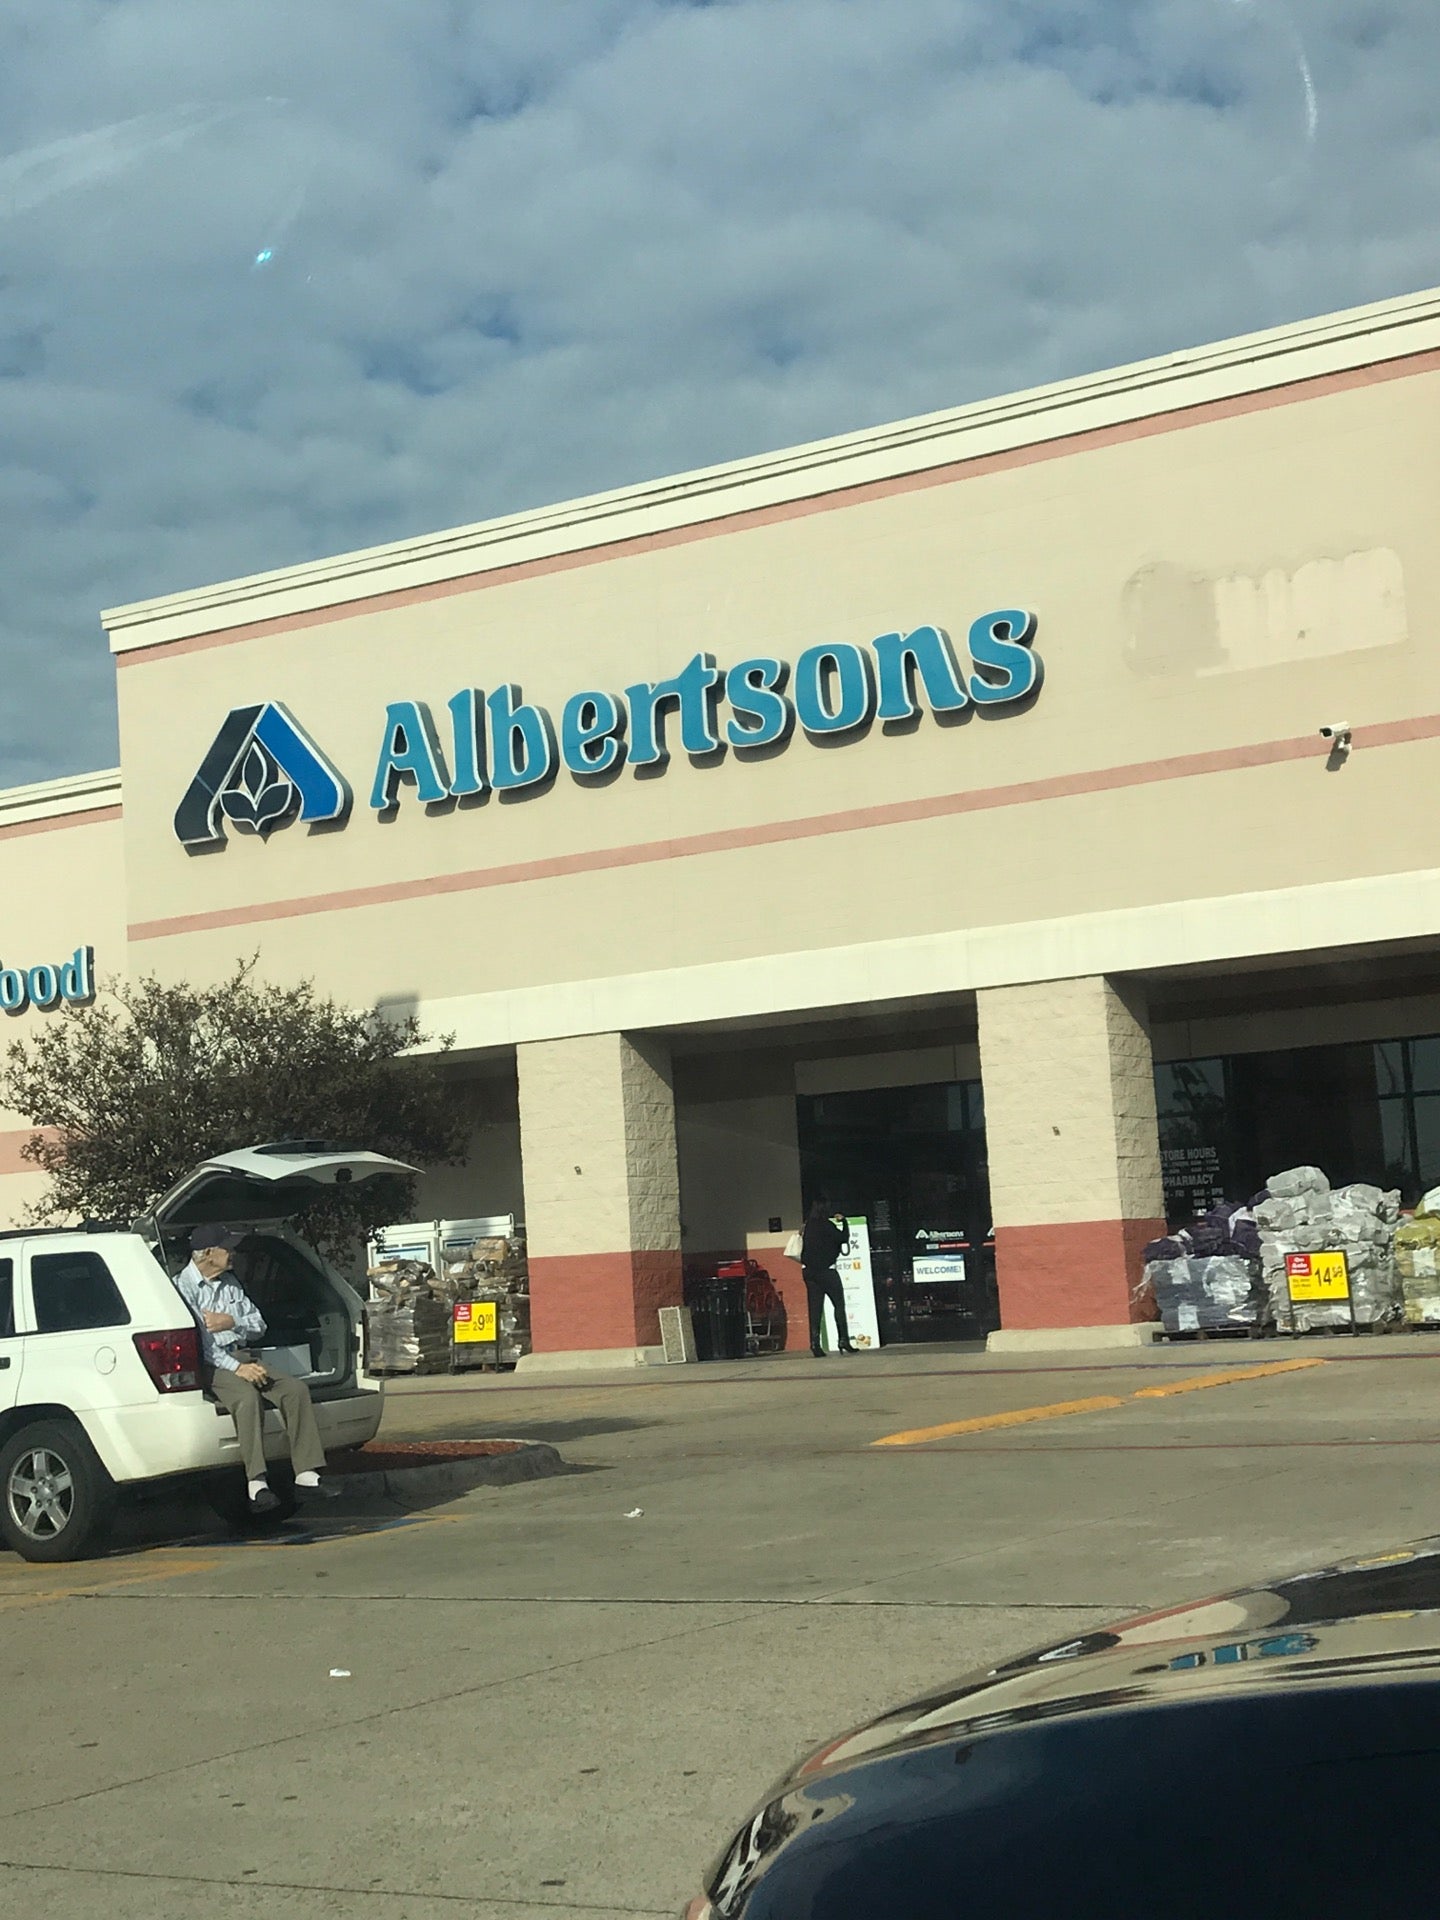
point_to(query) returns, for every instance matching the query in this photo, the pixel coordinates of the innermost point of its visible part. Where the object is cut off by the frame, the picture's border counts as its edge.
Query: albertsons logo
(263, 771)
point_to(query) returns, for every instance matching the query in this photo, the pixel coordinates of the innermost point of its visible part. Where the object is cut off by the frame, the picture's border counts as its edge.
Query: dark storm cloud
(279, 280)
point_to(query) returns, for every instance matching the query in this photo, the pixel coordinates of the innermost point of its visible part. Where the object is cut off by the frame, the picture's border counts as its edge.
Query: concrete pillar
(602, 1191)
(1074, 1149)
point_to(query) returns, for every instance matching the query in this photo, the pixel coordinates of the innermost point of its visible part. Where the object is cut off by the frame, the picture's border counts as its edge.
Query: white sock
(259, 1486)
(310, 1478)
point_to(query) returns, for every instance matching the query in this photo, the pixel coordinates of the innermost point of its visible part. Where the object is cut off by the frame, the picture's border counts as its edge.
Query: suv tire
(57, 1502)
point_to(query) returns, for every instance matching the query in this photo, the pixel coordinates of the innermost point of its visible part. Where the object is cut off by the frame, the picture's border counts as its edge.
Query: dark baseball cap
(204, 1237)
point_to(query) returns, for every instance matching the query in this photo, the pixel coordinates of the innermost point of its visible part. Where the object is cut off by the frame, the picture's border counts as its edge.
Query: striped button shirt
(224, 1295)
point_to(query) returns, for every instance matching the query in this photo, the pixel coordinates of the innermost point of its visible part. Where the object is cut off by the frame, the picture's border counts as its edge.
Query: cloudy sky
(288, 277)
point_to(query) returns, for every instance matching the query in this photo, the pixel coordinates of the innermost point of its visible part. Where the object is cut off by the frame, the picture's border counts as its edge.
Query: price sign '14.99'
(1318, 1277)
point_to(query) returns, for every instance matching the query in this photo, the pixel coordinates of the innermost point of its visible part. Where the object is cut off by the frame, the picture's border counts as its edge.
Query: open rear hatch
(310, 1311)
(260, 1186)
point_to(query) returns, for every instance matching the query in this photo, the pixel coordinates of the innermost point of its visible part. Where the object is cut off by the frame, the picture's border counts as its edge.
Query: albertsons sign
(264, 770)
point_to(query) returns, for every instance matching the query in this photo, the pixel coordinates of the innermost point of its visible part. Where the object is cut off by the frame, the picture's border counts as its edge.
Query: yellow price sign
(1318, 1276)
(475, 1320)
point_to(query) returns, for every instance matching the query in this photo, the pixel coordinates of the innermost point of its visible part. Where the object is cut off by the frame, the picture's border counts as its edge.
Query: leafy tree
(138, 1088)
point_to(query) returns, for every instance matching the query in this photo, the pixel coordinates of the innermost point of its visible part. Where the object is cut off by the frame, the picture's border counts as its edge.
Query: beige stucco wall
(61, 887)
(489, 1181)
(1297, 1025)
(906, 1067)
(20, 1194)
(1136, 558)
(739, 1151)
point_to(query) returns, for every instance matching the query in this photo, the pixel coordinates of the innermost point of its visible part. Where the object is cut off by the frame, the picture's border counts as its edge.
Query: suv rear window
(7, 1299)
(73, 1291)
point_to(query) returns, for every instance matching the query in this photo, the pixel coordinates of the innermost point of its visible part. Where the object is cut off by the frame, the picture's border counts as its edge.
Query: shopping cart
(764, 1309)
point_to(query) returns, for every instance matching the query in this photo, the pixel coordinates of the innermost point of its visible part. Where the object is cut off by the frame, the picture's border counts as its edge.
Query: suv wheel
(56, 1500)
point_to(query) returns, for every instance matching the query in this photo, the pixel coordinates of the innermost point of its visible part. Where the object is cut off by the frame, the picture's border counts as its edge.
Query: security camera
(1337, 730)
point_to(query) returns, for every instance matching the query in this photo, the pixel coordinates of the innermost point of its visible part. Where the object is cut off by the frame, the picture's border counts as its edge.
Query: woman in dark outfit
(821, 1245)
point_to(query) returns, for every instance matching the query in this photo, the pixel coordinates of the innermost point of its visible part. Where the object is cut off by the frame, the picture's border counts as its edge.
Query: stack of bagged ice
(1417, 1262)
(1207, 1277)
(1304, 1215)
(407, 1319)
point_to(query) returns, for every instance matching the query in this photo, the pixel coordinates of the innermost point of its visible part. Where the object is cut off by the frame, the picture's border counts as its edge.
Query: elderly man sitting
(228, 1318)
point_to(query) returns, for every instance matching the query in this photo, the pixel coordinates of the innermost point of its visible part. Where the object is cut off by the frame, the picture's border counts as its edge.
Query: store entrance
(911, 1162)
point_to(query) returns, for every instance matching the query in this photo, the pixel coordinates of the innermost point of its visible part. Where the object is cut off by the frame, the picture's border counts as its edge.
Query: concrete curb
(1072, 1339)
(445, 1480)
(588, 1360)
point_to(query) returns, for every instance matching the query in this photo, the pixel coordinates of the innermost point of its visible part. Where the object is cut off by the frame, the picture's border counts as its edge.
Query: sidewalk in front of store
(939, 1358)
(1316, 1390)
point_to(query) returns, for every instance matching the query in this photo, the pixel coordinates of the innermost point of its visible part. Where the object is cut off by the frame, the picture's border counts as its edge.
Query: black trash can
(717, 1310)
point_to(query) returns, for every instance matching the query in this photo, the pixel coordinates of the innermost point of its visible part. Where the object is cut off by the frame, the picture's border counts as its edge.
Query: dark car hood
(1375, 1615)
(1056, 1760)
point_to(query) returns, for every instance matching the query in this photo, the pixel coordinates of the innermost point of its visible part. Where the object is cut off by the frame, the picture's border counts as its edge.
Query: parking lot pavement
(537, 1700)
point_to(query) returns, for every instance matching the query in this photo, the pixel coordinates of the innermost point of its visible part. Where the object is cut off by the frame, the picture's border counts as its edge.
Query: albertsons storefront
(938, 819)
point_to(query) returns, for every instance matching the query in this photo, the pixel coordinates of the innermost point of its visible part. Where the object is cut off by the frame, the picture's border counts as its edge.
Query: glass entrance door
(911, 1161)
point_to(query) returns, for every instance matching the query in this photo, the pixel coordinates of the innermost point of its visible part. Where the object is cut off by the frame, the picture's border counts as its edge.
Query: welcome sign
(264, 770)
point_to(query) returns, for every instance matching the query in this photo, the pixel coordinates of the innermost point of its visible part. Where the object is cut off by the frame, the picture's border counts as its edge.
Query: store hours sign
(264, 769)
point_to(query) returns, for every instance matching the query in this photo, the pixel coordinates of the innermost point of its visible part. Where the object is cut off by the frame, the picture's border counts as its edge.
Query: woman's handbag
(795, 1246)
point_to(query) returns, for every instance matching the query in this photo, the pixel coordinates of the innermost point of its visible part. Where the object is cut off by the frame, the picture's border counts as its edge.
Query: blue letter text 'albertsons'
(503, 742)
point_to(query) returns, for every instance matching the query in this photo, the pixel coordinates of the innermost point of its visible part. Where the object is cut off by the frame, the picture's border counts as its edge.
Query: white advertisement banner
(857, 1282)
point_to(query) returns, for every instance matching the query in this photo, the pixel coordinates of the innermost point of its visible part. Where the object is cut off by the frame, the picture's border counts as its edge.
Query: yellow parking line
(1226, 1379)
(1016, 1417)
(17, 1592)
(36, 1584)
(1104, 1403)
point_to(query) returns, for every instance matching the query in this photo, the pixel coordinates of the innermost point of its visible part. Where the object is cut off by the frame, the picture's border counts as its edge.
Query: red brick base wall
(580, 1301)
(1078, 1275)
(791, 1289)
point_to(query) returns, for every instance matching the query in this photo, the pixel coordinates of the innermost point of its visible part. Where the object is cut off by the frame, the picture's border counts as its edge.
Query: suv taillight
(172, 1360)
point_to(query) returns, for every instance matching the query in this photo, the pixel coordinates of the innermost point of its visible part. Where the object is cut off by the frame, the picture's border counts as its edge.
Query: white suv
(100, 1378)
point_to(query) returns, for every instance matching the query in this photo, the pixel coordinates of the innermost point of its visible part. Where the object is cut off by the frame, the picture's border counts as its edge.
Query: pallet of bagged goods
(494, 1268)
(1304, 1214)
(407, 1319)
(1417, 1262)
(1205, 1279)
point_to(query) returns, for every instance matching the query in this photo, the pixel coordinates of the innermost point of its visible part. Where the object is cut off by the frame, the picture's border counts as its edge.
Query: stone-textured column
(602, 1190)
(1074, 1149)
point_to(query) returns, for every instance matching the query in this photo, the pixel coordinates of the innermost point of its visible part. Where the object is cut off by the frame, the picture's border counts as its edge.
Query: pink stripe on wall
(975, 468)
(93, 817)
(1063, 786)
(11, 1143)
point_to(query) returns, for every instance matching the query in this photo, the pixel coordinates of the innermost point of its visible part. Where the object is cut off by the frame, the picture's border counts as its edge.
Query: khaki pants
(292, 1397)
